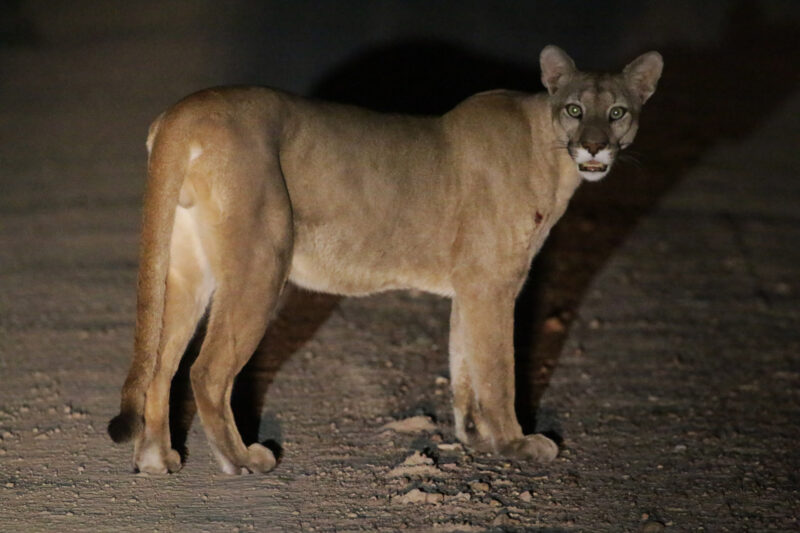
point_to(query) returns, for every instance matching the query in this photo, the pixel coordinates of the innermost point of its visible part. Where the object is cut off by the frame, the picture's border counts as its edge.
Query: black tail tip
(123, 427)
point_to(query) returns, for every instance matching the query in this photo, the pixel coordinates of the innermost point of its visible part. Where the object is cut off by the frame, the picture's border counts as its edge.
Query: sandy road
(672, 373)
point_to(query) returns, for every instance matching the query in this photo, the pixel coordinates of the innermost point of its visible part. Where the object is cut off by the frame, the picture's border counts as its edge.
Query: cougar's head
(597, 115)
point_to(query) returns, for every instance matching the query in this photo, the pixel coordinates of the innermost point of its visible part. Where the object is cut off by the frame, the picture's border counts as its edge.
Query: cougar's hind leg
(189, 287)
(251, 260)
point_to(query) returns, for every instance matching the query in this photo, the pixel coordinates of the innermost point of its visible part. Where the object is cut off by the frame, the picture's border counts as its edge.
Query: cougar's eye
(617, 112)
(574, 110)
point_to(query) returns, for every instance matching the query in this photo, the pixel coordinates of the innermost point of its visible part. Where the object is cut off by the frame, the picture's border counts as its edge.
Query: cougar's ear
(557, 67)
(642, 74)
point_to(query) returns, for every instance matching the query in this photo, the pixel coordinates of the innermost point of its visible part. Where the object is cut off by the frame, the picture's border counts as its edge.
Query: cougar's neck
(557, 167)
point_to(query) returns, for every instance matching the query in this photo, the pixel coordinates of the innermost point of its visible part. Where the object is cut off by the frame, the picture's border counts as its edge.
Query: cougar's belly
(344, 269)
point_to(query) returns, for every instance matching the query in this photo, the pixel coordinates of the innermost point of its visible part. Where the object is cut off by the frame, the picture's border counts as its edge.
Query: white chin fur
(592, 176)
(583, 156)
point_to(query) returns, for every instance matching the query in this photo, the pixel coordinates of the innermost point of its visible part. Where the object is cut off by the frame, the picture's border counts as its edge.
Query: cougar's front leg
(482, 373)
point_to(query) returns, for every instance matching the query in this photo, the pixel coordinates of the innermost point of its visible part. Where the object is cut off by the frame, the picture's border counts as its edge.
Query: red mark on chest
(538, 218)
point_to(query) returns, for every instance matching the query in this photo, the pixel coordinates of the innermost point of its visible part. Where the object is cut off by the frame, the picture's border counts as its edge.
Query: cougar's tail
(165, 174)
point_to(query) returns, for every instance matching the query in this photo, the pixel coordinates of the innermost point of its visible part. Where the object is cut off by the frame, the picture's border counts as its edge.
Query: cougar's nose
(594, 147)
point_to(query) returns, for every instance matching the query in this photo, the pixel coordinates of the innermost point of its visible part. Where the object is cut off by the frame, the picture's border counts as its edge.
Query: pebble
(479, 486)
(526, 496)
(418, 496)
(554, 325)
(415, 424)
(652, 526)
(417, 458)
(416, 464)
(503, 519)
(461, 496)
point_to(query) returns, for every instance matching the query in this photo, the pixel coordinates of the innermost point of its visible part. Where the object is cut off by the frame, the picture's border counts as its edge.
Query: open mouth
(592, 166)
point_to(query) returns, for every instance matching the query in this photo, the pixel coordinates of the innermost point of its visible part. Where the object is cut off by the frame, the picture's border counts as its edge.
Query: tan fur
(250, 187)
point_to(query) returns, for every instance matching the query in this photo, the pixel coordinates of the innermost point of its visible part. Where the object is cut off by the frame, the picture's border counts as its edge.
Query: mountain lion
(249, 188)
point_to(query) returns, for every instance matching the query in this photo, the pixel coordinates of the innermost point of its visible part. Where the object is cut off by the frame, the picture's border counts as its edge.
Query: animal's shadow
(700, 101)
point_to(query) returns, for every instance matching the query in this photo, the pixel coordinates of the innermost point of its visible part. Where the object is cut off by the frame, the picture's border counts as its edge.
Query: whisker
(634, 153)
(627, 158)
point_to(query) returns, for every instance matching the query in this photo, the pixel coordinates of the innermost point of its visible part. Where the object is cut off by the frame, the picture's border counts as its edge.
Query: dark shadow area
(299, 317)
(426, 77)
(182, 408)
(706, 96)
(16, 29)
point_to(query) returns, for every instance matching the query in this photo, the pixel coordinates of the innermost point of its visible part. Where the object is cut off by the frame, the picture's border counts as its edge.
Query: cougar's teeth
(592, 166)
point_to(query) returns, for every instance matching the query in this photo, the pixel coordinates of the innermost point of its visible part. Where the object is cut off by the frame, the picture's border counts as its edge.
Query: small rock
(784, 289)
(416, 464)
(503, 519)
(479, 486)
(415, 424)
(442, 381)
(418, 496)
(526, 496)
(417, 458)
(450, 447)
(652, 526)
(554, 325)
(461, 497)
(679, 448)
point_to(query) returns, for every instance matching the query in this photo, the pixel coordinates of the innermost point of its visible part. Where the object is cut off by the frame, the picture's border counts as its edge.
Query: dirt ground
(657, 337)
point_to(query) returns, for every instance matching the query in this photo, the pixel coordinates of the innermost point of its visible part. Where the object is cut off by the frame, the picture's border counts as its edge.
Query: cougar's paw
(531, 448)
(260, 458)
(155, 461)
